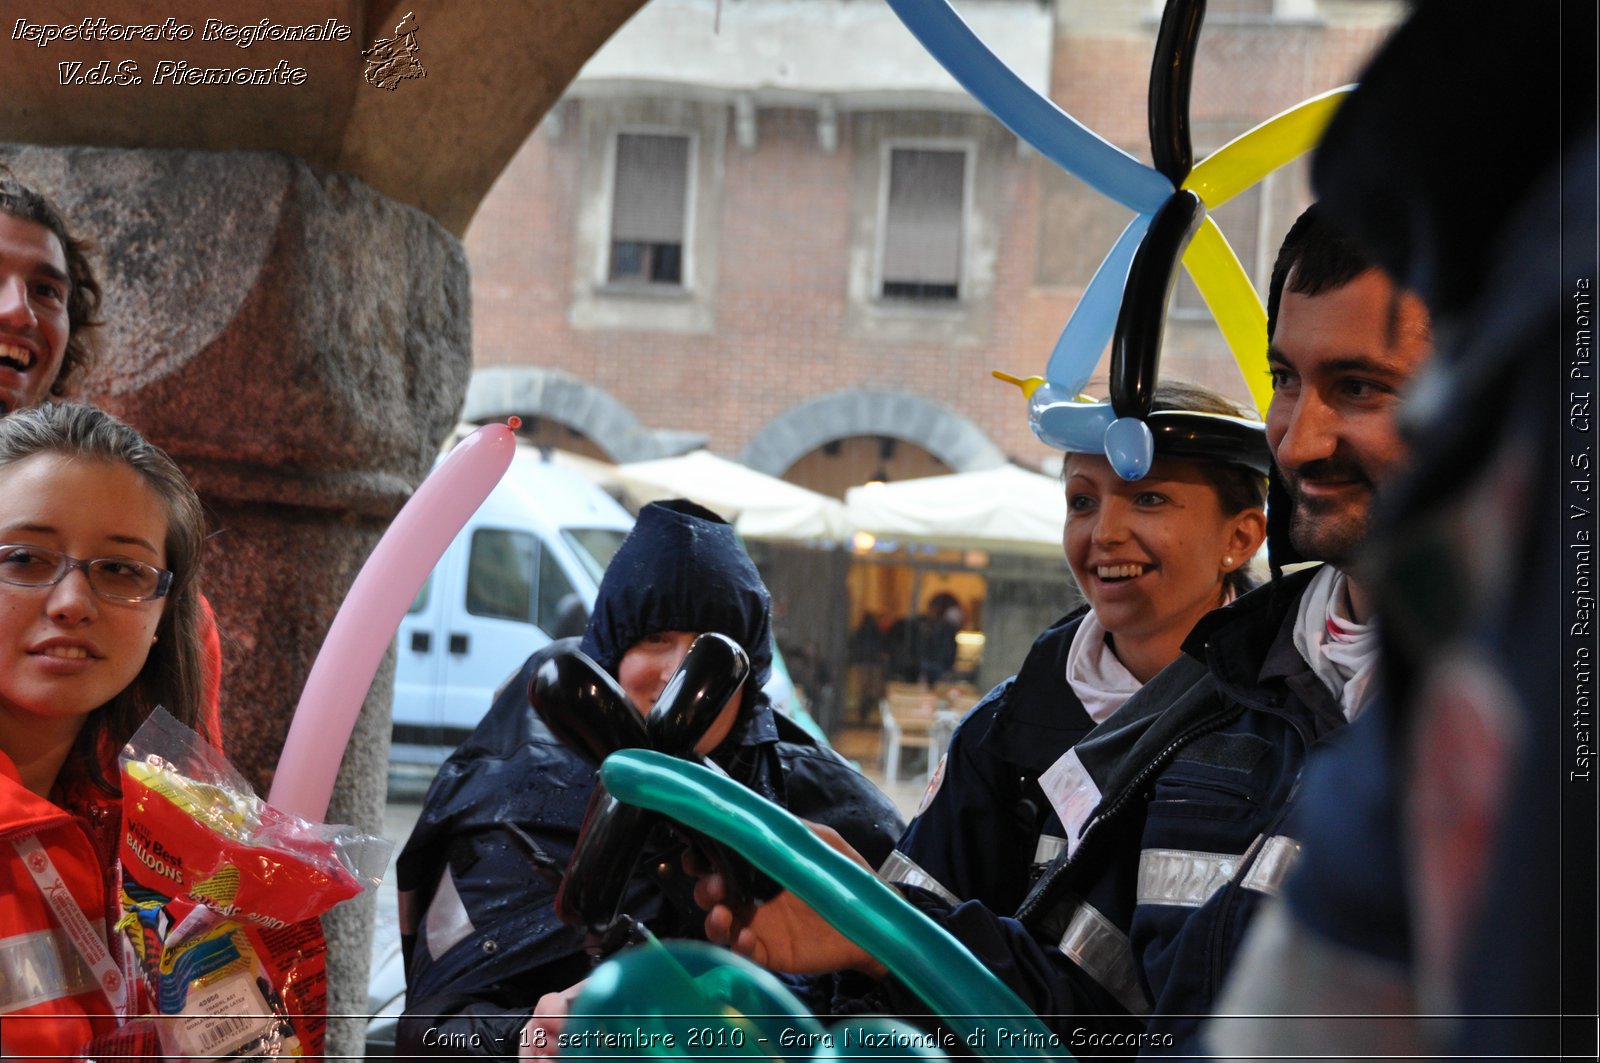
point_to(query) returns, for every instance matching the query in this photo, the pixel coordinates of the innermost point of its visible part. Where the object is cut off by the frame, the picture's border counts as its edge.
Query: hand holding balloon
(586, 708)
(919, 953)
(783, 933)
(685, 999)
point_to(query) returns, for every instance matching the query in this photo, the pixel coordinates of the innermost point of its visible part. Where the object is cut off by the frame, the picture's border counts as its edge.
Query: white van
(524, 570)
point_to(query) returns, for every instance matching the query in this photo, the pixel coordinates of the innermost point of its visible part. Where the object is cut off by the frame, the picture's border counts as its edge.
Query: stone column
(300, 344)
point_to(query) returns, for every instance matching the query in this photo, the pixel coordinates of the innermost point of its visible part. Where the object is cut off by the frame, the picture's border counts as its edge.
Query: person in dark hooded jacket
(478, 877)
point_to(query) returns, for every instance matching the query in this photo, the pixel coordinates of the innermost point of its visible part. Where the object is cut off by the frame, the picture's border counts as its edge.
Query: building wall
(785, 230)
(778, 339)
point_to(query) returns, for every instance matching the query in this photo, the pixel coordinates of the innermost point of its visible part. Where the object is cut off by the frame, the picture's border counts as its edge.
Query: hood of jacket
(682, 568)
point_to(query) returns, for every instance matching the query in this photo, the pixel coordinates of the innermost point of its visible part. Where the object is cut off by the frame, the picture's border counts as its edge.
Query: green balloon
(686, 999)
(691, 1000)
(924, 956)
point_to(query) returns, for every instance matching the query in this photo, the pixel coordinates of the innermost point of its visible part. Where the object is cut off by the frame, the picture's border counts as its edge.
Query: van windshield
(595, 547)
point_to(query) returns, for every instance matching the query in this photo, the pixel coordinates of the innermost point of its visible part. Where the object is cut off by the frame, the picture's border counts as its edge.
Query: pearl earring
(1228, 561)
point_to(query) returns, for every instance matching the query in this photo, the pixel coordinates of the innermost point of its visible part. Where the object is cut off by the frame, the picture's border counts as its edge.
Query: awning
(760, 506)
(1006, 509)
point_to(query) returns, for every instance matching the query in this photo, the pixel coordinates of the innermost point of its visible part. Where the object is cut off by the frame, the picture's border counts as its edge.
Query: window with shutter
(922, 225)
(648, 206)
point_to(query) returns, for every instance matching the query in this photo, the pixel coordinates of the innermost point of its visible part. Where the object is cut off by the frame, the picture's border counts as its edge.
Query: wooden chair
(909, 719)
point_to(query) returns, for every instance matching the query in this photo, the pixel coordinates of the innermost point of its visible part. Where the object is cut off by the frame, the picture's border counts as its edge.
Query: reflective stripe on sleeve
(1186, 878)
(1048, 849)
(1278, 856)
(902, 869)
(1183, 877)
(42, 966)
(1094, 943)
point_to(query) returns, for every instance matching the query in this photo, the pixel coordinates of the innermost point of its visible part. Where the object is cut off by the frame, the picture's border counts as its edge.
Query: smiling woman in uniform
(1152, 557)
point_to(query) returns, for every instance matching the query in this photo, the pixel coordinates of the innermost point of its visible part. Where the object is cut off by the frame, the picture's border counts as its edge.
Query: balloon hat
(1125, 301)
(1078, 426)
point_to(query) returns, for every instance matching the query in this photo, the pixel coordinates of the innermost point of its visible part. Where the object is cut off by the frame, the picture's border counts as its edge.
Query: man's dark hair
(83, 298)
(1321, 257)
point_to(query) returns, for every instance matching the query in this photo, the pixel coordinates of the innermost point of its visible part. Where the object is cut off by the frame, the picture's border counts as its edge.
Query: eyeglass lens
(112, 577)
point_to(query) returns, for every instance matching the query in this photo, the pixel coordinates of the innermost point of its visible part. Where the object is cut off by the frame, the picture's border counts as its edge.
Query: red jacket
(210, 673)
(41, 973)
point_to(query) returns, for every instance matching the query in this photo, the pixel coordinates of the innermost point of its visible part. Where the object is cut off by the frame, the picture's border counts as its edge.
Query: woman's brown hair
(170, 677)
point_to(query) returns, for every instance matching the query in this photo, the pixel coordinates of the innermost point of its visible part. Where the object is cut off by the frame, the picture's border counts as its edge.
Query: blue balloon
(1057, 135)
(1130, 447)
(1076, 427)
(1094, 319)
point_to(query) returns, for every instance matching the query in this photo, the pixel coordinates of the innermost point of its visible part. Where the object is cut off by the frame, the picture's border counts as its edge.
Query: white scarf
(1101, 681)
(1342, 653)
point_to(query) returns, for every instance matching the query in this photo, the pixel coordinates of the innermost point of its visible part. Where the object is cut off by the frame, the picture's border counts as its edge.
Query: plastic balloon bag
(221, 897)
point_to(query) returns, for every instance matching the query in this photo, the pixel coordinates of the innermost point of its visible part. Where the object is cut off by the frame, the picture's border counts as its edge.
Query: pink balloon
(371, 613)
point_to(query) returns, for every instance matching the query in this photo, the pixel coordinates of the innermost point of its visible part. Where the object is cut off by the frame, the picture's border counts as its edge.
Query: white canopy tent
(760, 506)
(1003, 510)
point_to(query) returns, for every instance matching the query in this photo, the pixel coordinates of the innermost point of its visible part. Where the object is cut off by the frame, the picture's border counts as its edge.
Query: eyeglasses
(116, 579)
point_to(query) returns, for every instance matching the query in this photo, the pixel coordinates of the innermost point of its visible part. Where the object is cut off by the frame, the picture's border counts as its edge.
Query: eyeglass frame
(68, 563)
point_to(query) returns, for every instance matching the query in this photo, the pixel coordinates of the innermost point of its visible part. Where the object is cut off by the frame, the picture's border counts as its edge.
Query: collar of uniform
(1253, 656)
(1245, 627)
(21, 810)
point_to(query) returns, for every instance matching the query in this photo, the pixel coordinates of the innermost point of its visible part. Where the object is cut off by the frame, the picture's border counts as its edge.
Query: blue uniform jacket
(1197, 775)
(985, 830)
(1123, 942)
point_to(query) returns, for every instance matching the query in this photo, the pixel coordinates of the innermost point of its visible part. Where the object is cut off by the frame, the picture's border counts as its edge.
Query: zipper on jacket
(1094, 829)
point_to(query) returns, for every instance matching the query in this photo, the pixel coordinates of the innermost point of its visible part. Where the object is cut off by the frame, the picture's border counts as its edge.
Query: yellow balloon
(1227, 290)
(1248, 158)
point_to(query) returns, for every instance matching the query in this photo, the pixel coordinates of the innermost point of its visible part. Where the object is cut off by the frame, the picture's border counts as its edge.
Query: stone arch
(939, 430)
(499, 391)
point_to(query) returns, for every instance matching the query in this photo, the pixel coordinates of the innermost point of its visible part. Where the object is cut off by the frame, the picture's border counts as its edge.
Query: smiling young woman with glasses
(100, 538)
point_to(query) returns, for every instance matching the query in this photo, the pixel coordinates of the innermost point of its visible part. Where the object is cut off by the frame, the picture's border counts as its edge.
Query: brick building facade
(772, 330)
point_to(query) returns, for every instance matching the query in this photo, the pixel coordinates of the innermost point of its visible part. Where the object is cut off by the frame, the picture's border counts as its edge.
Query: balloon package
(221, 896)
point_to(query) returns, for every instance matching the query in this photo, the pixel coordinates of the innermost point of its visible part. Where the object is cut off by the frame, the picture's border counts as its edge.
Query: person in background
(49, 299)
(100, 547)
(1443, 908)
(936, 637)
(869, 658)
(477, 878)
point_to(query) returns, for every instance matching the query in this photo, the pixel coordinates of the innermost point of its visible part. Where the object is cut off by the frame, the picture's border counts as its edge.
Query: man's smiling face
(34, 325)
(1339, 360)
